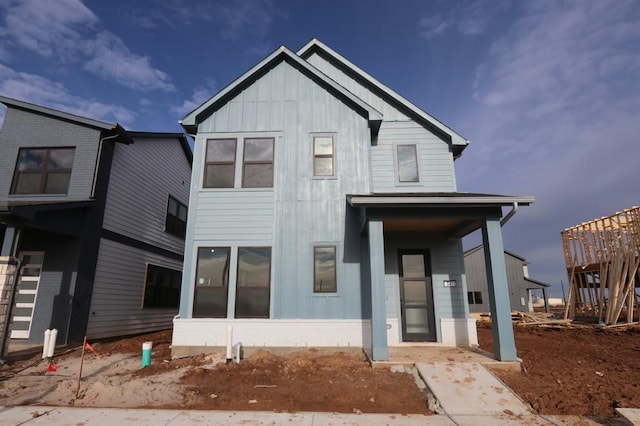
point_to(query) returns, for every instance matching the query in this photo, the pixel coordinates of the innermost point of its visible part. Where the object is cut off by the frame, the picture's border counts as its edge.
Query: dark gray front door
(416, 296)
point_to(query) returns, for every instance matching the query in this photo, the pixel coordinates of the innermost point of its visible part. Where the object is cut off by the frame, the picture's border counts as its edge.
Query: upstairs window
(407, 163)
(324, 269)
(323, 156)
(43, 171)
(220, 163)
(257, 168)
(176, 221)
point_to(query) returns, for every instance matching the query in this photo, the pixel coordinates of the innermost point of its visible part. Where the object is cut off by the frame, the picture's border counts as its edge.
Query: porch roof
(454, 213)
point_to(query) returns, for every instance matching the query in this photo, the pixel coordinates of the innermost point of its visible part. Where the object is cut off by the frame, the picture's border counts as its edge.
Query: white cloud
(468, 18)
(67, 30)
(113, 61)
(198, 97)
(41, 91)
(556, 117)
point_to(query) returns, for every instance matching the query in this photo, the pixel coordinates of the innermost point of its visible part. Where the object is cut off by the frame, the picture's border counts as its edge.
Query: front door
(26, 292)
(416, 296)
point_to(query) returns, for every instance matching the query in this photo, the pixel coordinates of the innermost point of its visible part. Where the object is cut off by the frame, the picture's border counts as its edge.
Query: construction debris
(602, 259)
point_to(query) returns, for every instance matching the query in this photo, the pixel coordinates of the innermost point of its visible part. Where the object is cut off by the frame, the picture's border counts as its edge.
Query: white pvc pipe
(45, 344)
(51, 347)
(229, 343)
(237, 348)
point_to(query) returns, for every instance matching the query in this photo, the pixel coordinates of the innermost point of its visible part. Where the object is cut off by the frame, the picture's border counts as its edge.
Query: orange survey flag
(88, 346)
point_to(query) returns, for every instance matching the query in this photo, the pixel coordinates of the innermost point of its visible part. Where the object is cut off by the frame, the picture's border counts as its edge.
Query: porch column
(8, 244)
(379, 348)
(504, 347)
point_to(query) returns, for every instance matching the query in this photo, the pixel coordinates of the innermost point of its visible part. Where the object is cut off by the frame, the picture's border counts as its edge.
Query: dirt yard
(574, 369)
(567, 370)
(309, 380)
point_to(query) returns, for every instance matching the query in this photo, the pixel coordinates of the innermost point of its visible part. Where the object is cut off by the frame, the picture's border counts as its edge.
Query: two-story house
(93, 219)
(324, 212)
(521, 286)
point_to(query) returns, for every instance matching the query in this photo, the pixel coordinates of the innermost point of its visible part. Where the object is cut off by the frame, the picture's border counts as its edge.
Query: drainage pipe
(509, 215)
(229, 344)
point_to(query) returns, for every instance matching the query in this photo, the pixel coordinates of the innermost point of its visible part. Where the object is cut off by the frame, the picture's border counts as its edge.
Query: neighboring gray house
(521, 287)
(96, 217)
(324, 212)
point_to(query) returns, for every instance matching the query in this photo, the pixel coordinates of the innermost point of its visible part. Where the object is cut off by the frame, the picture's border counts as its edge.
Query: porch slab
(430, 353)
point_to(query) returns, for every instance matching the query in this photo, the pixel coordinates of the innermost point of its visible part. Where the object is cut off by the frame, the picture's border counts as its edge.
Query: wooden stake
(84, 344)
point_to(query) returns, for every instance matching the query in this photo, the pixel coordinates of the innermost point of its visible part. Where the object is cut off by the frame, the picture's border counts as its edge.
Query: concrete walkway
(40, 415)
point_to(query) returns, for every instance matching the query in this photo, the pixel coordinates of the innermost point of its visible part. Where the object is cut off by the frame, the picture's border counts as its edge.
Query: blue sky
(548, 92)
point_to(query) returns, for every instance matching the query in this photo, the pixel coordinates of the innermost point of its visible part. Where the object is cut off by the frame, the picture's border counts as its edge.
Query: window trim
(220, 163)
(257, 162)
(177, 218)
(335, 268)
(332, 155)
(144, 288)
(235, 310)
(44, 173)
(397, 164)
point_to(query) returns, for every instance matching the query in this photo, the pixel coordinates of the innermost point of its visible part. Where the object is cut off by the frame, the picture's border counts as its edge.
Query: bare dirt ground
(574, 369)
(309, 380)
(577, 370)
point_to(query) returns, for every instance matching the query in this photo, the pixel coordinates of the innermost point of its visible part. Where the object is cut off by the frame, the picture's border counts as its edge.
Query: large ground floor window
(252, 283)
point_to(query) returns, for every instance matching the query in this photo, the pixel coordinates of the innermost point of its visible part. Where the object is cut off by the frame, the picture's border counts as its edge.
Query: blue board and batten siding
(305, 210)
(143, 176)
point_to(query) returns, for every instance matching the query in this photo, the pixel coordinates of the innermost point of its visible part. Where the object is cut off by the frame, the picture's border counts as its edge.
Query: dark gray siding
(477, 280)
(24, 129)
(116, 304)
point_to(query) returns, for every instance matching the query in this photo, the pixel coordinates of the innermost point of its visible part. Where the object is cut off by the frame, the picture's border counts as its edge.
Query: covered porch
(424, 226)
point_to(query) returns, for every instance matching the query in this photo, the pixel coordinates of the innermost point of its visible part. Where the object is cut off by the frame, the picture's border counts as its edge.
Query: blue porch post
(379, 348)
(8, 243)
(504, 347)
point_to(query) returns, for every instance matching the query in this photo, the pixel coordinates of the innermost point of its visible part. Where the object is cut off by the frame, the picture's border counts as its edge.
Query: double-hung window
(43, 171)
(176, 220)
(257, 167)
(324, 269)
(220, 163)
(323, 156)
(474, 297)
(407, 158)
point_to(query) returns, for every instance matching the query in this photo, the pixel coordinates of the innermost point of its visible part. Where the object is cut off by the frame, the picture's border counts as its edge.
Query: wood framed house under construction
(602, 258)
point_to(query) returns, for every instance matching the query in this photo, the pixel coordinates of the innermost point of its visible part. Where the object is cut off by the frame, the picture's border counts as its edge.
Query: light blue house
(324, 213)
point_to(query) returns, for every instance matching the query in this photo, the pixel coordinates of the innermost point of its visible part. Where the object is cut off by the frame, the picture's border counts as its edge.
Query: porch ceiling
(455, 213)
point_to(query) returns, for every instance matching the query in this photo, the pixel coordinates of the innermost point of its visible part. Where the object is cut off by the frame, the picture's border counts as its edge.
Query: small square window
(324, 269)
(323, 156)
(162, 287)
(474, 297)
(407, 163)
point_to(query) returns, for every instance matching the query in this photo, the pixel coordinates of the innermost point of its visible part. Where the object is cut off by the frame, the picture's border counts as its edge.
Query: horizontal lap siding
(25, 129)
(234, 215)
(116, 304)
(143, 175)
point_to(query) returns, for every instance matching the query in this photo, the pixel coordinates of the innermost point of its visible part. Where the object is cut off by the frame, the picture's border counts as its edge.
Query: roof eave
(437, 201)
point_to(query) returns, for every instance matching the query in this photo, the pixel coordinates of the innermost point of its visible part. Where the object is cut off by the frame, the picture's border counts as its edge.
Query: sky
(547, 91)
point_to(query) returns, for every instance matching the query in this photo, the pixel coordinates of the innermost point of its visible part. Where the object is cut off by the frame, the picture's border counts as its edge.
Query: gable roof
(110, 129)
(164, 135)
(457, 141)
(190, 121)
(507, 252)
